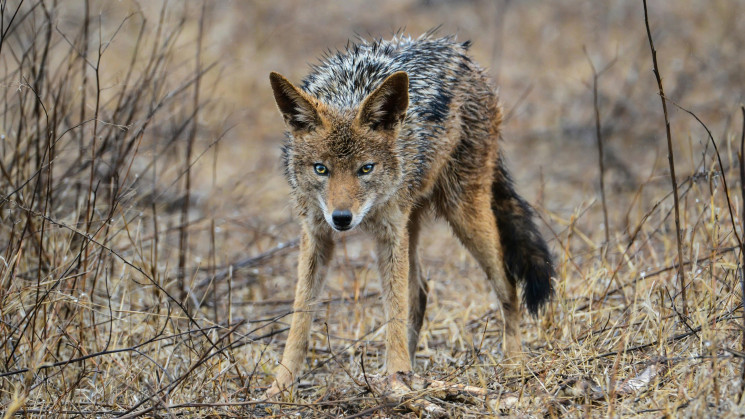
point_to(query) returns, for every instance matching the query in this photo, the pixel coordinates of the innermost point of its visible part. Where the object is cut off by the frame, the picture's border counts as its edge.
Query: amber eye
(321, 169)
(366, 169)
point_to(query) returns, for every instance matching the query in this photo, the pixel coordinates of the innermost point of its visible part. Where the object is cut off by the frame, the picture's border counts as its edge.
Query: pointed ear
(298, 112)
(386, 106)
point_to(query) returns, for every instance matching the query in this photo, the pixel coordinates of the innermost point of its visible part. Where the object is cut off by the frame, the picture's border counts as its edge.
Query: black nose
(342, 219)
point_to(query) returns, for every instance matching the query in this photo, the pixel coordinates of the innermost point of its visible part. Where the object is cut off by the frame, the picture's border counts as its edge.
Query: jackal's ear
(296, 108)
(386, 106)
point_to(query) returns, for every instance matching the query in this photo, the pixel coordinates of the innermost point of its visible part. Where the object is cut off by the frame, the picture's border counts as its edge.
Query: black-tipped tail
(527, 259)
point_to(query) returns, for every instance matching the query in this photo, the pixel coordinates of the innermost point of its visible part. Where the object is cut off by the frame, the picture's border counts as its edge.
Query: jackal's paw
(401, 388)
(389, 384)
(283, 380)
(274, 391)
(513, 350)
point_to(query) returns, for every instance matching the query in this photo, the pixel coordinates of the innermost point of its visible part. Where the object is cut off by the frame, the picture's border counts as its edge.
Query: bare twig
(599, 135)
(671, 161)
(722, 169)
(742, 253)
(184, 232)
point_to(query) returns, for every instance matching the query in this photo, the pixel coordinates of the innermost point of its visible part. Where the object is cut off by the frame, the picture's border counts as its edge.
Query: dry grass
(119, 299)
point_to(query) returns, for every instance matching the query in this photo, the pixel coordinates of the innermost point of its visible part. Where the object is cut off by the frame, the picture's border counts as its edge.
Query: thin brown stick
(599, 135)
(742, 253)
(671, 161)
(184, 232)
(722, 169)
(600, 156)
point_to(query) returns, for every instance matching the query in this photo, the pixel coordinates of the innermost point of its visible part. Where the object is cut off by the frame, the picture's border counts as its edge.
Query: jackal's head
(343, 162)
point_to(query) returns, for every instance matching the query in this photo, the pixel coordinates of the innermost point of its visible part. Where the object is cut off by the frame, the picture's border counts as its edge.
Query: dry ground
(147, 246)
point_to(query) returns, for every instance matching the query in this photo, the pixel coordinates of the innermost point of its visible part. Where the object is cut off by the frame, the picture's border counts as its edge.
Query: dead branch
(671, 161)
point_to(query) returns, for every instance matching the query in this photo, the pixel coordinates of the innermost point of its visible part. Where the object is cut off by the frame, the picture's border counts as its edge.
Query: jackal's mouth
(343, 224)
(344, 219)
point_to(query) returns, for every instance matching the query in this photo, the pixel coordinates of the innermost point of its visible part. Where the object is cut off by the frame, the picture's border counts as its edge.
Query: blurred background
(142, 195)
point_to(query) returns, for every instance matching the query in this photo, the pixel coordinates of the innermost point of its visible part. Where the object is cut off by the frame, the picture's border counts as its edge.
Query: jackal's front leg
(393, 261)
(315, 252)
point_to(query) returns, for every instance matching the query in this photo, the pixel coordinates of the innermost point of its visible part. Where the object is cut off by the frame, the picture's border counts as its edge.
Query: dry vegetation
(147, 247)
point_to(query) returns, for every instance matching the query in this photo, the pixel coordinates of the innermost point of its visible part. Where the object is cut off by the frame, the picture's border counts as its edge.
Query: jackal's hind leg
(474, 223)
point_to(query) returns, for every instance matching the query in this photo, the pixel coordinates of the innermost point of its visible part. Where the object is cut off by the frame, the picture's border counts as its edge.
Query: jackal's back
(345, 78)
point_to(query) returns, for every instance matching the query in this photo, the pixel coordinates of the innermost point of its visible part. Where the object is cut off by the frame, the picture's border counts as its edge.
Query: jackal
(380, 135)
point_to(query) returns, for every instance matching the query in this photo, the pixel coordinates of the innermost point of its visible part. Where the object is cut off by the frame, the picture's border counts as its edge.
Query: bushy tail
(526, 255)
